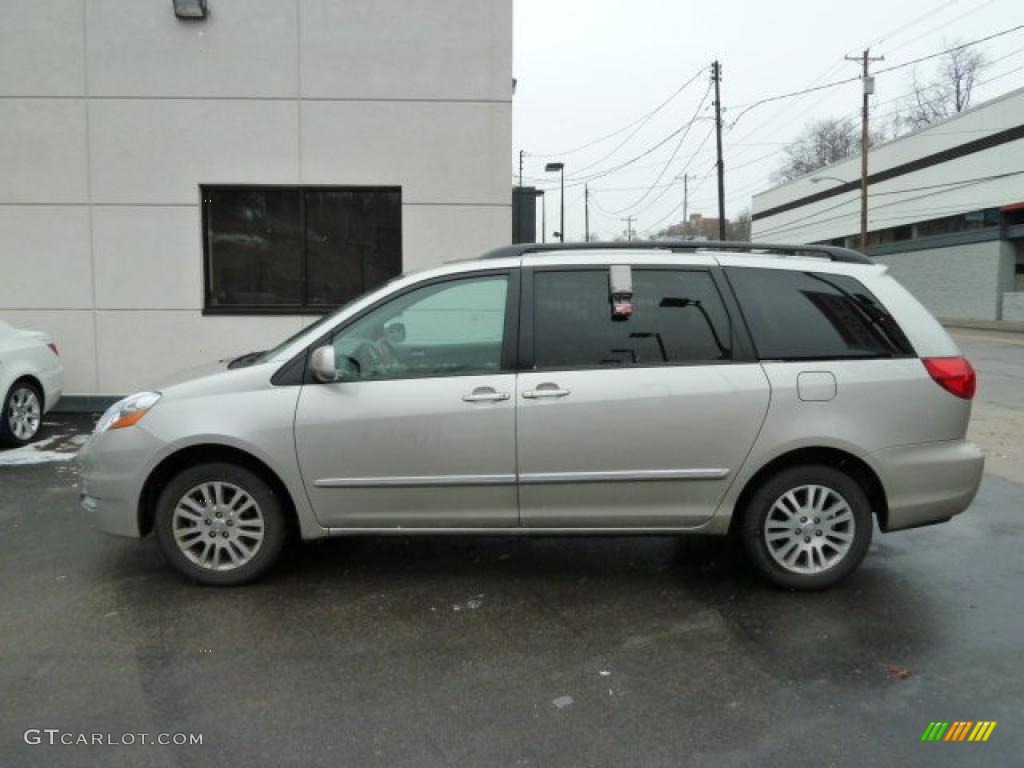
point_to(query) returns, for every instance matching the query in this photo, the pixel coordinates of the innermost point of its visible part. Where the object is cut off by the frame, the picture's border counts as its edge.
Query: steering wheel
(369, 358)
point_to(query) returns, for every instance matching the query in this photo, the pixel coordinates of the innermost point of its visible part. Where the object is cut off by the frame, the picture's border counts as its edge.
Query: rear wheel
(22, 415)
(807, 527)
(220, 524)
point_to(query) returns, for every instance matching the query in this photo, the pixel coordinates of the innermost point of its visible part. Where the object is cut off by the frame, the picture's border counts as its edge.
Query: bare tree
(951, 89)
(821, 143)
(738, 229)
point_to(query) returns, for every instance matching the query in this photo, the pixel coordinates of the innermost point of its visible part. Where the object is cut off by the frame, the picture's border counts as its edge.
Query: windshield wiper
(247, 359)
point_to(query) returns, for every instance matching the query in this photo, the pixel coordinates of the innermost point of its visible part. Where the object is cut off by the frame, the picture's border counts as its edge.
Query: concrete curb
(1002, 326)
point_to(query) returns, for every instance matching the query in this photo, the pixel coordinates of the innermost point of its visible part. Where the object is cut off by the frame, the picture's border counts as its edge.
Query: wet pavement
(505, 652)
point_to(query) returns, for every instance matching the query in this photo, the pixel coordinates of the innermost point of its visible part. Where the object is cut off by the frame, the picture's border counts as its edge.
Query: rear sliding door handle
(485, 395)
(545, 390)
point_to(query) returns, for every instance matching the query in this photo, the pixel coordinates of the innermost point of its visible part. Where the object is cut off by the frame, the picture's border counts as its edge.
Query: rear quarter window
(813, 316)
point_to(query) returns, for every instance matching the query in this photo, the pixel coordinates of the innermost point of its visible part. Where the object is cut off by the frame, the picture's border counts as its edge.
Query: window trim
(742, 347)
(302, 309)
(288, 375)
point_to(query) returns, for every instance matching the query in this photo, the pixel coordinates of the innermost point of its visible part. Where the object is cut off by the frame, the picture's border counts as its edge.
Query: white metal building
(946, 210)
(173, 191)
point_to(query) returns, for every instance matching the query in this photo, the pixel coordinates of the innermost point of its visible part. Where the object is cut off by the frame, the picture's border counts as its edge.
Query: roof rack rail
(830, 252)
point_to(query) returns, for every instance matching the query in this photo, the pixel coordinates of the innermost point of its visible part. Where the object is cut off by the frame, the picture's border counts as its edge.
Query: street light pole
(543, 215)
(586, 213)
(560, 167)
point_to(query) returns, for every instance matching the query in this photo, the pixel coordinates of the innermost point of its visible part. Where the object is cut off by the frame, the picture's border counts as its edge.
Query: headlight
(126, 412)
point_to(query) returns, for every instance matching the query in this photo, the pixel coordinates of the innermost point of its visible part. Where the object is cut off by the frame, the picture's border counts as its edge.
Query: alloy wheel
(218, 526)
(809, 529)
(24, 413)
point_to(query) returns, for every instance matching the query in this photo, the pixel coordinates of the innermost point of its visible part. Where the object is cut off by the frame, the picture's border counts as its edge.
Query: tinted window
(807, 315)
(285, 248)
(678, 317)
(444, 329)
(254, 245)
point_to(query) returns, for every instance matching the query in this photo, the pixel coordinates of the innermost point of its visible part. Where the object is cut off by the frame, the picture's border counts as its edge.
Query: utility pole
(686, 199)
(629, 226)
(716, 76)
(868, 84)
(586, 213)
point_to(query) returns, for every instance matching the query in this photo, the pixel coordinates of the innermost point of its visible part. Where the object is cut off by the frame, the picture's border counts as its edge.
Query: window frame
(281, 309)
(297, 370)
(742, 347)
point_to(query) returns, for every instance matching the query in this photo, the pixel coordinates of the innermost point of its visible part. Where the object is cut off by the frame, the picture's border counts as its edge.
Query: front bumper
(928, 483)
(114, 466)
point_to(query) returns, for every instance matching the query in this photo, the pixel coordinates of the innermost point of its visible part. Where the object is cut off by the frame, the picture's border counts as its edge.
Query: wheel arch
(836, 458)
(172, 465)
(31, 379)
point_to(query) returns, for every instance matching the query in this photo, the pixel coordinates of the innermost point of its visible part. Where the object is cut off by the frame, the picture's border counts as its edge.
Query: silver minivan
(790, 396)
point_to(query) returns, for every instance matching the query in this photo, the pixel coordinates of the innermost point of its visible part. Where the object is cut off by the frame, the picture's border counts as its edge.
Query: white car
(31, 381)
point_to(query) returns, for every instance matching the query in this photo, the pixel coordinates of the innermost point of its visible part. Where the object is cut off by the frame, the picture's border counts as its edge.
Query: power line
(893, 68)
(641, 119)
(675, 151)
(675, 181)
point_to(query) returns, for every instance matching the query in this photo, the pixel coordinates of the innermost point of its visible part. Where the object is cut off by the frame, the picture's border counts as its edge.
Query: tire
(22, 410)
(246, 519)
(804, 554)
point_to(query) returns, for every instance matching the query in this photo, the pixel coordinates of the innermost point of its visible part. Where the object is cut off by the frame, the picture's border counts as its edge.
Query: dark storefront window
(287, 249)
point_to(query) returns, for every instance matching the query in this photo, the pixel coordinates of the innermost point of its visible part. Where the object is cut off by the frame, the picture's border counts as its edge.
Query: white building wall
(889, 205)
(956, 282)
(113, 113)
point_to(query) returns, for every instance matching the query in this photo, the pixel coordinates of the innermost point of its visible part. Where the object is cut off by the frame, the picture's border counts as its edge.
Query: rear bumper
(53, 387)
(928, 483)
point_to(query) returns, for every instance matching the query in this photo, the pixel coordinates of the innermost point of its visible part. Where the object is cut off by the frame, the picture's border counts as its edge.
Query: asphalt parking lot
(507, 652)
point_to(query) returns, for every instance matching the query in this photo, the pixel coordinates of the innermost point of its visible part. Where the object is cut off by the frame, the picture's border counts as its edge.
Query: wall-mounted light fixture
(193, 10)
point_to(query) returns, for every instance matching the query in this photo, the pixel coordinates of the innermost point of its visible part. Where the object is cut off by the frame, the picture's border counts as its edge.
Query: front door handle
(485, 395)
(547, 389)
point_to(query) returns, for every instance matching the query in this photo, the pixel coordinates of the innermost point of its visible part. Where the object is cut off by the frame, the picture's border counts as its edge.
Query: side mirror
(322, 363)
(395, 332)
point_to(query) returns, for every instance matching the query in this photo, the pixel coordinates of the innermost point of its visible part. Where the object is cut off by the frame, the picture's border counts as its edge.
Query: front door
(636, 422)
(421, 433)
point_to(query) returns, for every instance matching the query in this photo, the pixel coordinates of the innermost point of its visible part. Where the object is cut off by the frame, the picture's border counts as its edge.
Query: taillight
(953, 374)
(53, 346)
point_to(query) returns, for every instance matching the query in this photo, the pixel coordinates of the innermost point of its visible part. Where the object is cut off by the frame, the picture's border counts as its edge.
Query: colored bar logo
(959, 730)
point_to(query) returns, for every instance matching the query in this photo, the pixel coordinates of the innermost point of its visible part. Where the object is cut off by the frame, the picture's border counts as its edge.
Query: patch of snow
(562, 702)
(34, 453)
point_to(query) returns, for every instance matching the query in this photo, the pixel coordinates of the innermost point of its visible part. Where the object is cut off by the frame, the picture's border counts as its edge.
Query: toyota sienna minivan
(790, 396)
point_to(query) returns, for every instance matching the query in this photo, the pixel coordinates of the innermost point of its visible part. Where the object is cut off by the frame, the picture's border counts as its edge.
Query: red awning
(1012, 207)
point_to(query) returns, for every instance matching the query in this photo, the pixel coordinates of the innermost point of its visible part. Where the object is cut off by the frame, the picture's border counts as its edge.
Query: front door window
(453, 328)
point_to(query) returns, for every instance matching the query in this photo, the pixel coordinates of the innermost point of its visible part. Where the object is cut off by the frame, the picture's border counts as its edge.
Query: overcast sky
(587, 68)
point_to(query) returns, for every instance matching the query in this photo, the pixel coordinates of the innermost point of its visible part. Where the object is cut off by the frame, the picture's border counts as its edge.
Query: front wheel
(808, 527)
(220, 524)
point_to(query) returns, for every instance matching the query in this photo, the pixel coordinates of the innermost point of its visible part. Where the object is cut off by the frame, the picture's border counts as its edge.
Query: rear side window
(813, 316)
(678, 318)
